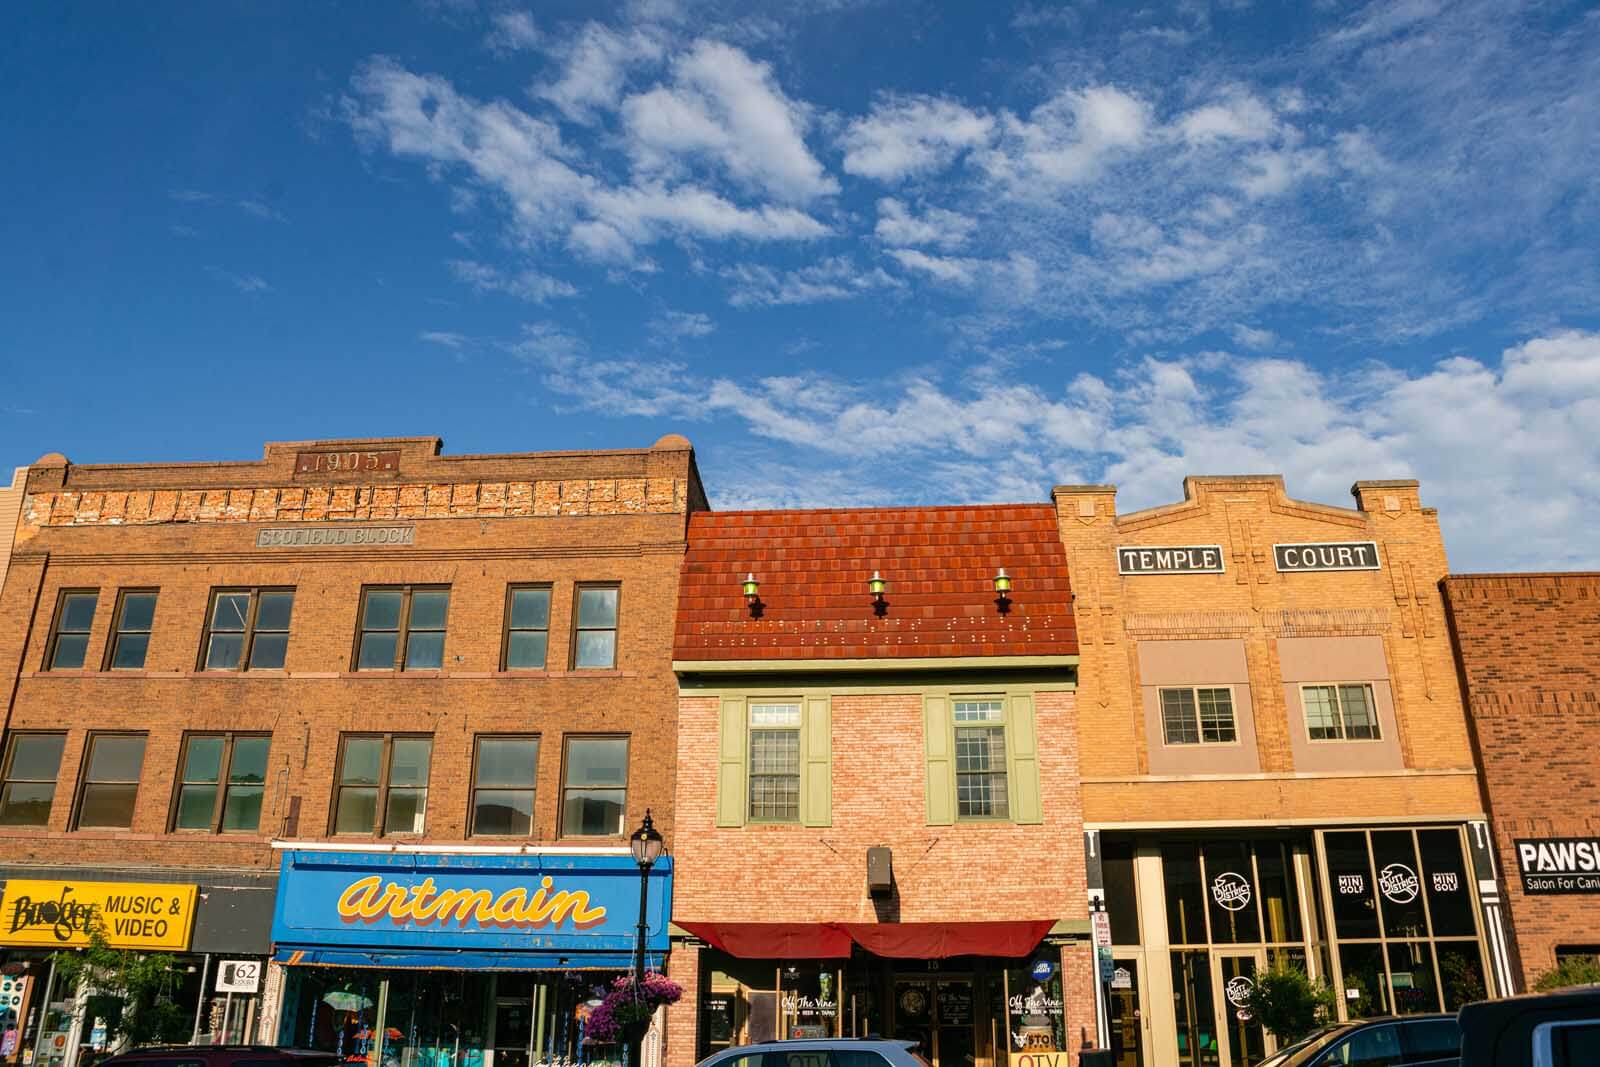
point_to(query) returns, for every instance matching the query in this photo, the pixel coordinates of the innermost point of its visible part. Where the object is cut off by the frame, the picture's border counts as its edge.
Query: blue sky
(858, 252)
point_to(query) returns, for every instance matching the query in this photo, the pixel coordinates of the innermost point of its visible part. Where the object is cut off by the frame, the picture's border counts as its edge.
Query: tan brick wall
(317, 696)
(1530, 655)
(1252, 602)
(10, 516)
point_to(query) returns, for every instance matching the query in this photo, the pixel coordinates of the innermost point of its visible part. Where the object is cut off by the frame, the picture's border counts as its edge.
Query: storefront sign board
(467, 903)
(1327, 556)
(1552, 865)
(56, 914)
(1041, 1059)
(1169, 559)
(238, 976)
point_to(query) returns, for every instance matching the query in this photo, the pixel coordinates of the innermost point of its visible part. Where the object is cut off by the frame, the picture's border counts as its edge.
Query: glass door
(940, 1015)
(1127, 1018)
(1234, 977)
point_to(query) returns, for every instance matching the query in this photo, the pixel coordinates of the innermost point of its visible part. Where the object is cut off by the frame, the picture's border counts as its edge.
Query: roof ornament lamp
(877, 586)
(1002, 590)
(752, 594)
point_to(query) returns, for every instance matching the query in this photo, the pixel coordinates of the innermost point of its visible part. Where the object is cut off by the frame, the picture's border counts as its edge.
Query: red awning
(776, 941)
(936, 941)
(921, 941)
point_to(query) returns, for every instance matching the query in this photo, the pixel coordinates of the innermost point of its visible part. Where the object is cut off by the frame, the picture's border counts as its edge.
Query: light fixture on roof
(752, 589)
(877, 586)
(1002, 583)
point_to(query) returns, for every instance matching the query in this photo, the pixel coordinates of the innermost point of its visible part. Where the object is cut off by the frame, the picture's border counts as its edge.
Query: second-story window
(130, 639)
(527, 628)
(28, 785)
(1340, 712)
(247, 628)
(1202, 716)
(505, 774)
(110, 781)
(981, 788)
(222, 780)
(69, 638)
(775, 762)
(382, 784)
(594, 644)
(403, 628)
(595, 794)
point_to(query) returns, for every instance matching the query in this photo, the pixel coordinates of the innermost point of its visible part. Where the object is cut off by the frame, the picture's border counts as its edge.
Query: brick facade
(10, 515)
(1529, 647)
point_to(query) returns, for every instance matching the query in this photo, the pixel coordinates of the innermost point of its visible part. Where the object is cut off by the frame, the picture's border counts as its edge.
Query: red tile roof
(813, 567)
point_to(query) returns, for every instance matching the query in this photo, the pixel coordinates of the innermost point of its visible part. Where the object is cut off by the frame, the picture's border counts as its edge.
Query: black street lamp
(646, 844)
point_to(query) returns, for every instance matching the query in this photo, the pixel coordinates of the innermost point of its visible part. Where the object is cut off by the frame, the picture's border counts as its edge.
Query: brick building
(877, 786)
(1275, 760)
(1529, 649)
(10, 511)
(364, 680)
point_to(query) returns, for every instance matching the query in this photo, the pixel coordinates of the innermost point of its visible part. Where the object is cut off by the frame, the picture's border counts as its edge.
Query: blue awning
(321, 956)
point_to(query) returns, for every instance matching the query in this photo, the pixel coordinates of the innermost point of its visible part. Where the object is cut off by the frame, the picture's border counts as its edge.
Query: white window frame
(1372, 696)
(1233, 711)
(750, 728)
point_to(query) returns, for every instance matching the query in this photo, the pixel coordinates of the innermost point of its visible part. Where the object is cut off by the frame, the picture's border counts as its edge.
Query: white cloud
(595, 68)
(513, 31)
(245, 283)
(936, 226)
(528, 285)
(678, 324)
(1242, 116)
(1255, 339)
(728, 110)
(444, 338)
(905, 136)
(1070, 138)
(956, 270)
(834, 278)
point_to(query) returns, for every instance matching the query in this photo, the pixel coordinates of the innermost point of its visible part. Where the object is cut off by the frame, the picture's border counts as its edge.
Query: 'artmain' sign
(1180, 559)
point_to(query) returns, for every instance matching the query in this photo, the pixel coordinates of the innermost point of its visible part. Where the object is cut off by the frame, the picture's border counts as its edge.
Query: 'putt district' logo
(1238, 990)
(1399, 883)
(1230, 890)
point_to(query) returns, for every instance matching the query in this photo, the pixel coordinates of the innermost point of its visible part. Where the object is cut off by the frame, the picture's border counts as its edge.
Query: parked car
(834, 1052)
(1559, 1029)
(1395, 1041)
(221, 1056)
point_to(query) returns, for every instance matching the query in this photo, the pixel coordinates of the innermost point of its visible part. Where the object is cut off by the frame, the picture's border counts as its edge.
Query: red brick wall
(638, 543)
(1529, 648)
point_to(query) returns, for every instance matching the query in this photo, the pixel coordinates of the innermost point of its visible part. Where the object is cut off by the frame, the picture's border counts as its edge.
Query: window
(594, 641)
(1432, 1041)
(775, 762)
(29, 785)
(130, 639)
(402, 628)
(594, 794)
(110, 781)
(1340, 712)
(247, 626)
(505, 772)
(1376, 1046)
(1198, 716)
(382, 775)
(221, 781)
(980, 760)
(69, 641)
(527, 628)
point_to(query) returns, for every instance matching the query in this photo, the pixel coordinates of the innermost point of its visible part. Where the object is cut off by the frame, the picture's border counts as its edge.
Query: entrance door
(1244, 1042)
(513, 1030)
(1127, 1019)
(940, 1015)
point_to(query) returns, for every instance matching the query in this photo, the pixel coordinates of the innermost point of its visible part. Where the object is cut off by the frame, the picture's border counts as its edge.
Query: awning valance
(323, 956)
(932, 941)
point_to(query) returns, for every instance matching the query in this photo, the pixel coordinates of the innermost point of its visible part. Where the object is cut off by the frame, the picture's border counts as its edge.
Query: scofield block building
(372, 720)
(357, 733)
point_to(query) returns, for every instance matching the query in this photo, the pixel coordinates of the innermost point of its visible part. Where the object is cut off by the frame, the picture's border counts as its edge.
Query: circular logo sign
(1231, 891)
(913, 1001)
(1238, 989)
(1042, 970)
(1399, 883)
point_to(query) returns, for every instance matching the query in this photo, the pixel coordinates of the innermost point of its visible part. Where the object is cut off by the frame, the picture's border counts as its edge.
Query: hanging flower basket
(625, 1014)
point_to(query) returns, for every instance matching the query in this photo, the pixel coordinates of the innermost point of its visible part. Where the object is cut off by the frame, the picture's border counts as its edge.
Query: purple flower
(621, 1007)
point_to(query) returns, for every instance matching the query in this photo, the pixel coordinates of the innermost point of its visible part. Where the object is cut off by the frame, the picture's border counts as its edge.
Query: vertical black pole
(636, 1044)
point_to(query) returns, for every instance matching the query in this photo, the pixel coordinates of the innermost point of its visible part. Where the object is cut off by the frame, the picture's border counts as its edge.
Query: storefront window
(1231, 893)
(1365, 986)
(1412, 979)
(1035, 1011)
(1186, 924)
(1355, 911)
(1445, 882)
(1195, 1009)
(809, 1001)
(1280, 902)
(1394, 858)
(1122, 900)
(1460, 974)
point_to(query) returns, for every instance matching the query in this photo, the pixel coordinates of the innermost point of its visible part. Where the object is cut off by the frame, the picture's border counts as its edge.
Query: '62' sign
(347, 462)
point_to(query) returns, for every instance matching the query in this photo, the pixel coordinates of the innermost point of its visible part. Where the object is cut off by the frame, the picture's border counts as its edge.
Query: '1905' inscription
(337, 535)
(347, 462)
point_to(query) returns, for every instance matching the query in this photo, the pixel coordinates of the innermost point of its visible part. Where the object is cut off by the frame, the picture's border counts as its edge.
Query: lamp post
(646, 844)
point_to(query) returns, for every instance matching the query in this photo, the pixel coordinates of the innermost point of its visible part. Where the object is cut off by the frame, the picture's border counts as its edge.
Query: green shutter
(1022, 760)
(941, 782)
(816, 765)
(732, 747)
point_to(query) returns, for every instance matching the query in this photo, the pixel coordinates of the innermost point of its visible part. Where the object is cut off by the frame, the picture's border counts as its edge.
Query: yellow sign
(132, 914)
(1040, 1059)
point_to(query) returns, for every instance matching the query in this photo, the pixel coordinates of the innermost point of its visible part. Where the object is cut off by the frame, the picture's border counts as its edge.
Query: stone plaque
(354, 462)
(336, 536)
(1327, 556)
(1175, 559)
